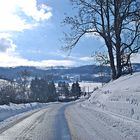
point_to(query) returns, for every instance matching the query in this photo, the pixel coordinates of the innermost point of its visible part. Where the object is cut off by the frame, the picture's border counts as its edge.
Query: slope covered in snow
(120, 96)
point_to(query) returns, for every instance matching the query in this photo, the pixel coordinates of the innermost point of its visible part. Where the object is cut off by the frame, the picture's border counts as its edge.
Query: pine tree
(42, 90)
(35, 89)
(76, 90)
(52, 95)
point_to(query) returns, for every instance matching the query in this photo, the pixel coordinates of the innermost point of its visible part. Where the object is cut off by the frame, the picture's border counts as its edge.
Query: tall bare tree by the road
(116, 21)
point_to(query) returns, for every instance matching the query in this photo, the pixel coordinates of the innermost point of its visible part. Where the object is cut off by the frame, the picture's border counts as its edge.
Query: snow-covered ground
(7, 111)
(121, 96)
(47, 123)
(111, 113)
(89, 86)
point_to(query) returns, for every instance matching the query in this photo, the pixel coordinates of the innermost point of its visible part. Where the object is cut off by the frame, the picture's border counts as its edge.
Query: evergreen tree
(7, 94)
(63, 88)
(52, 95)
(35, 89)
(23, 81)
(42, 90)
(66, 90)
(76, 90)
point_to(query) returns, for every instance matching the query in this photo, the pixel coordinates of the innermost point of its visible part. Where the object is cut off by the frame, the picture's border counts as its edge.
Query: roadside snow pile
(7, 111)
(89, 86)
(121, 96)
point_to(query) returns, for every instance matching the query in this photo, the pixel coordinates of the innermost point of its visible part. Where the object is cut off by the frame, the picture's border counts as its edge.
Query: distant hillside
(82, 73)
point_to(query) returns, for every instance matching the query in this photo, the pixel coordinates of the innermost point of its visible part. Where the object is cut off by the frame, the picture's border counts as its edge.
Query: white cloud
(86, 58)
(46, 7)
(95, 36)
(7, 45)
(10, 19)
(76, 57)
(7, 60)
(5, 35)
(13, 23)
(10, 58)
(135, 58)
(30, 8)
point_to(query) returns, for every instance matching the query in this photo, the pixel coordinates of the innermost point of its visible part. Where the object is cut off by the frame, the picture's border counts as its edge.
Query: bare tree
(116, 21)
(102, 60)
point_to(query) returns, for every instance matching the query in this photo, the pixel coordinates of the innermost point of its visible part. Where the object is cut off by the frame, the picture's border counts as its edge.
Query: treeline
(37, 90)
(67, 92)
(43, 90)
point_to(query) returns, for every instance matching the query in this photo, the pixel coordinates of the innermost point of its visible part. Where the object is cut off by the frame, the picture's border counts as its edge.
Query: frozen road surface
(71, 121)
(46, 124)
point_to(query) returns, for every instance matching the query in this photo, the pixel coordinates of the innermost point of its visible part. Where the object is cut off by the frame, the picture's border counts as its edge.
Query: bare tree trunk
(113, 20)
(118, 60)
(111, 57)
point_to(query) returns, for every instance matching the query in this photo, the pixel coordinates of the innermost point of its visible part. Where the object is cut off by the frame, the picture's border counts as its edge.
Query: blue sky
(31, 33)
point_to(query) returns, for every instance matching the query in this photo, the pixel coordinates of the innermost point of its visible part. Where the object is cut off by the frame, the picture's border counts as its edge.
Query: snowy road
(76, 121)
(91, 123)
(46, 124)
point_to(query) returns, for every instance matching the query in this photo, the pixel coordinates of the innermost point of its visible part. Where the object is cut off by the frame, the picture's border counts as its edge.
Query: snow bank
(121, 96)
(7, 111)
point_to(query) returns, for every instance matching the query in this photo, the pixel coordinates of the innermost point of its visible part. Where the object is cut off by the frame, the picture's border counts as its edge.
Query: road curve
(47, 124)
